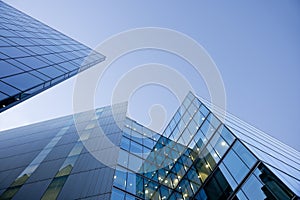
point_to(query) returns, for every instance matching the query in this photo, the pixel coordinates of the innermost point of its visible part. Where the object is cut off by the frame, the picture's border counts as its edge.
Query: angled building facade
(196, 157)
(103, 154)
(34, 57)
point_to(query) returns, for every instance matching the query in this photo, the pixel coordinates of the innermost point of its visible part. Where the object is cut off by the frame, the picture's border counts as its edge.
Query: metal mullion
(239, 186)
(217, 165)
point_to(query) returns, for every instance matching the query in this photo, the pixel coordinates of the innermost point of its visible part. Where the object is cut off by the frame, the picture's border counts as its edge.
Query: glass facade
(50, 160)
(34, 57)
(196, 157)
(278, 157)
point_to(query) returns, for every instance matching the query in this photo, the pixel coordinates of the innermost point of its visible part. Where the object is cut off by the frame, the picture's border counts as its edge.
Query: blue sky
(255, 45)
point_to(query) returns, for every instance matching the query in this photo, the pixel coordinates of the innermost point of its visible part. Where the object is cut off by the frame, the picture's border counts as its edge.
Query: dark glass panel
(164, 192)
(18, 64)
(23, 81)
(185, 188)
(39, 75)
(10, 192)
(2, 96)
(32, 62)
(13, 52)
(201, 195)
(8, 89)
(203, 169)
(51, 72)
(7, 69)
(54, 188)
(264, 184)
(217, 187)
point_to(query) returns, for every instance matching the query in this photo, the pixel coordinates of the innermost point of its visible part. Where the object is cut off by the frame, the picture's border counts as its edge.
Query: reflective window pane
(235, 166)
(23, 81)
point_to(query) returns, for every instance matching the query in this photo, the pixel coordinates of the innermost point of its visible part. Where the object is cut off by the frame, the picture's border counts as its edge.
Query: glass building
(34, 57)
(104, 154)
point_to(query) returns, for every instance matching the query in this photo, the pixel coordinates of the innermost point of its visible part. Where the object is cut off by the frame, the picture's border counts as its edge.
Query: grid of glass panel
(34, 57)
(30, 169)
(66, 165)
(65, 170)
(136, 145)
(281, 159)
(197, 157)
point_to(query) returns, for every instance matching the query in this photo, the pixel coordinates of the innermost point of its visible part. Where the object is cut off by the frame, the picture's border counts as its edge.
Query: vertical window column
(63, 173)
(30, 169)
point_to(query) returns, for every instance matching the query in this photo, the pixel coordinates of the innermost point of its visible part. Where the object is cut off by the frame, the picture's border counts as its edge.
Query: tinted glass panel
(9, 90)
(51, 72)
(27, 45)
(7, 69)
(235, 166)
(23, 81)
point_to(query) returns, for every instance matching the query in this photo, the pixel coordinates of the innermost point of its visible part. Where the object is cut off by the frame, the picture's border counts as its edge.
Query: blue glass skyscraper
(196, 157)
(104, 154)
(34, 57)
